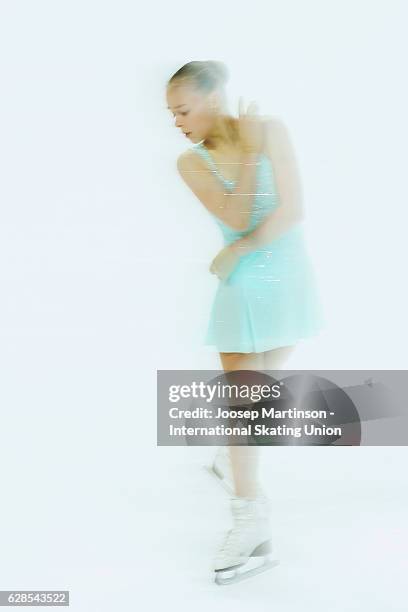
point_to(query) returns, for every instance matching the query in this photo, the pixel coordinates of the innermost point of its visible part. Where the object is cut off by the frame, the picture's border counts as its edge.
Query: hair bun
(219, 70)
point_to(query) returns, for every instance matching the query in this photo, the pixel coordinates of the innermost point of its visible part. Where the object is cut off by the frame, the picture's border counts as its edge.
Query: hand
(250, 127)
(224, 263)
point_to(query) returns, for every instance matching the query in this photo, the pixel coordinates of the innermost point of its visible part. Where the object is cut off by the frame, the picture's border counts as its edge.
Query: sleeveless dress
(270, 300)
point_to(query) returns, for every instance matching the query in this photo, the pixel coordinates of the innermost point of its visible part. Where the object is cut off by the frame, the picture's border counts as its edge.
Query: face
(191, 110)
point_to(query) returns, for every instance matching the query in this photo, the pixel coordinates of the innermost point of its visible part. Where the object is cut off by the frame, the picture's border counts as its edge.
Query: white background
(104, 275)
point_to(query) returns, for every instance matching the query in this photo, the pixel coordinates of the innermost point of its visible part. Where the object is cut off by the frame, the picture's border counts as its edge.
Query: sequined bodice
(265, 199)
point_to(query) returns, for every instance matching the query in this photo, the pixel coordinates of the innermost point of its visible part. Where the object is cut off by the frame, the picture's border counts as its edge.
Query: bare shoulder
(274, 125)
(192, 170)
(188, 160)
(277, 142)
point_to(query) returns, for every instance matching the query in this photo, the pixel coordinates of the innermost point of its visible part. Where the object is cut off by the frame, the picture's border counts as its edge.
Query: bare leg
(244, 459)
(274, 359)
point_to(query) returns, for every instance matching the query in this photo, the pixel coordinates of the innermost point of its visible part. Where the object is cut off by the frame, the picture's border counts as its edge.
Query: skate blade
(220, 480)
(242, 572)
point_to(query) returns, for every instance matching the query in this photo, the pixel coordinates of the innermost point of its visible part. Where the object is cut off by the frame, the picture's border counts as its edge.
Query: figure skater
(243, 170)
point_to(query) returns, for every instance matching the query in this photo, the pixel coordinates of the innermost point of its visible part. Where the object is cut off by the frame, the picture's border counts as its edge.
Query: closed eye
(185, 113)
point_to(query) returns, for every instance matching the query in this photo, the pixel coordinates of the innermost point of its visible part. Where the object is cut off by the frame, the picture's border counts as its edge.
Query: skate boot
(247, 548)
(221, 470)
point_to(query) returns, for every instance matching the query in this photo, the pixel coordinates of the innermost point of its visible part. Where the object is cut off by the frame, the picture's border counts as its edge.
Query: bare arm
(232, 208)
(290, 209)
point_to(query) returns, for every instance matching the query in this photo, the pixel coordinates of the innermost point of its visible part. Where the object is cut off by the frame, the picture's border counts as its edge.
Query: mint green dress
(270, 300)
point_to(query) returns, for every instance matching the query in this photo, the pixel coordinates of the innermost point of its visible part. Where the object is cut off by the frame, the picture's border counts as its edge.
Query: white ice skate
(221, 470)
(247, 548)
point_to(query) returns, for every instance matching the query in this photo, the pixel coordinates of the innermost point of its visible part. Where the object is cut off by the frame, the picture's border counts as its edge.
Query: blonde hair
(206, 76)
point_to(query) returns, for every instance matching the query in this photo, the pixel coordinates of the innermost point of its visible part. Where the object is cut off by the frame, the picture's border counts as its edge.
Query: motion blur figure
(243, 170)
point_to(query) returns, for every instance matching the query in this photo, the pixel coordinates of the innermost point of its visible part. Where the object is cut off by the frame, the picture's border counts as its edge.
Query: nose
(179, 123)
